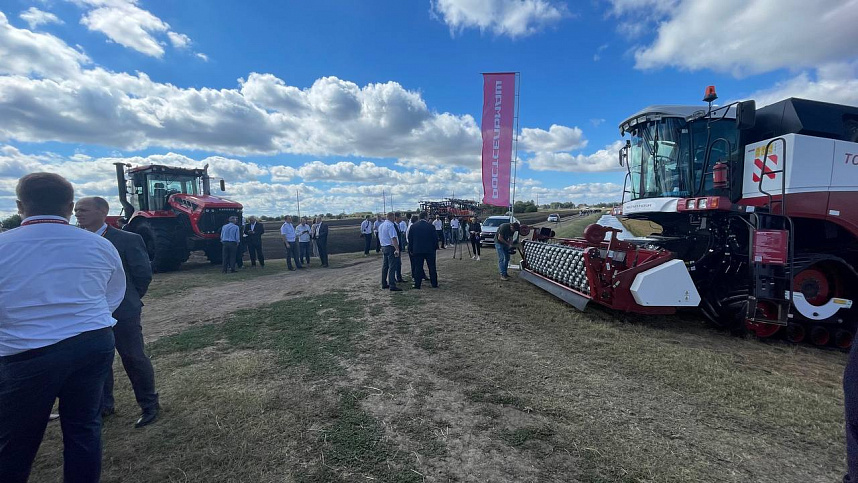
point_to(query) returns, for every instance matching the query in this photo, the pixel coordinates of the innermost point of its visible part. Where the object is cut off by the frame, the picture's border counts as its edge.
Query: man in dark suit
(422, 244)
(253, 231)
(91, 214)
(322, 240)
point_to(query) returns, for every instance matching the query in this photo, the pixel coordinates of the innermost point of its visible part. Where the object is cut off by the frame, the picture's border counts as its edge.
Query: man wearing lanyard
(253, 232)
(58, 289)
(91, 214)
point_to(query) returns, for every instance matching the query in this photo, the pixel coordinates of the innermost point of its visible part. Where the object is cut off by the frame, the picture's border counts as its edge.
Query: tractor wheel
(166, 250)
(214, 252)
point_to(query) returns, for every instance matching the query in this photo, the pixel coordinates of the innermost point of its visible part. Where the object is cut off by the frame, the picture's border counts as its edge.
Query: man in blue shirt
(289, 239)
(389, 240)
(229, 237)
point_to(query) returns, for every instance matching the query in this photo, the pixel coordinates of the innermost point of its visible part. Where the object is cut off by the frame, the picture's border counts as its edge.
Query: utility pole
(298, 199)
(384, 201)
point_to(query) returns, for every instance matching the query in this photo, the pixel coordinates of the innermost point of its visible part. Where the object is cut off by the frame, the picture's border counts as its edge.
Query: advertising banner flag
(497, 128)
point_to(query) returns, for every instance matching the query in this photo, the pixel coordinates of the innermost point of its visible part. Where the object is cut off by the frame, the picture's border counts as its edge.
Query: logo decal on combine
(758, 165)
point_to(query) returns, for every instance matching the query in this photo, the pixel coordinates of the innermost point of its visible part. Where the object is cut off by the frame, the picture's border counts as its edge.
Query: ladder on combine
(772, 256)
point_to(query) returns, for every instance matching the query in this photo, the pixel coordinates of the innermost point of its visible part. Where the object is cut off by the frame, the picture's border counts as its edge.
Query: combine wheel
(843, 339)
(819, 335)
(795, 333)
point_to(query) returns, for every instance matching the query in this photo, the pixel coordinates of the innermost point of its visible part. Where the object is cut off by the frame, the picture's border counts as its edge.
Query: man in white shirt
(289, 239)
(376, 224)
(58, 289)
(389, 240)
(454, 227)
(439, 226)
(302, 233)
(366, 233)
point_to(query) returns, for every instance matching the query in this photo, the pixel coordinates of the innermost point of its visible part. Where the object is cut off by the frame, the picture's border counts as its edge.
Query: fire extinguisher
(720, 178)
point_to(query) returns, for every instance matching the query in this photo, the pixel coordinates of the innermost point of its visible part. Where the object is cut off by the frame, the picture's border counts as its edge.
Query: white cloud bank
(36, 18)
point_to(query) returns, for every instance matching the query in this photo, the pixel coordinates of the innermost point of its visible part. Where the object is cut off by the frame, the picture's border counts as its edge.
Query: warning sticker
(771, 247)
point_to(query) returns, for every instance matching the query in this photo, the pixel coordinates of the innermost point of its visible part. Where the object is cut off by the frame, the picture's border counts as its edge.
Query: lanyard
(45, 220)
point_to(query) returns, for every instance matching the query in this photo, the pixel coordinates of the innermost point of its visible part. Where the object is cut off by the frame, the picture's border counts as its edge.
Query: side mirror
(746, 114)
(222, 185)
(624, 153)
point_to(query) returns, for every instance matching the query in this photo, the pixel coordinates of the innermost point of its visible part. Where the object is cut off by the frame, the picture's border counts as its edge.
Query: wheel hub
(813, 284)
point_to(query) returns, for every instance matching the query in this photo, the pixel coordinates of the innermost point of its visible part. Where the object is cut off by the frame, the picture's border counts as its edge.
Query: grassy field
(574, 227)
(326, 378)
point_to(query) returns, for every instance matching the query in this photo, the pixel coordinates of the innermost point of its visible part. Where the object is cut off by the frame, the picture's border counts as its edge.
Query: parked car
(554, 217)
(490, 228)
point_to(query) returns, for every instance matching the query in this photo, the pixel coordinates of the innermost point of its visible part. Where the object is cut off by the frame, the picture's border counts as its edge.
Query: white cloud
(200, 55)
(837, 83)
(598, 121)
(69, 103)
(598, 55)
(179, 41)
(25, 52)
(557, 138)
(125, 23)
(602, 160)
(512, 18)
(749, 37)
(589, 193)
(35, 17)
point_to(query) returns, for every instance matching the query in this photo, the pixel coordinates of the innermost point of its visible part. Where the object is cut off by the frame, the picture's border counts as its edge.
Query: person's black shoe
(148, 417)
(415, 287)
(292, 269)
(434, 286)
(105, 412)
(385, 287)
(395, 289)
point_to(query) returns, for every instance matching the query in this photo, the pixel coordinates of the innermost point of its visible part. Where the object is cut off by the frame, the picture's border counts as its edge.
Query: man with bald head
(58, 287)
(91, 214)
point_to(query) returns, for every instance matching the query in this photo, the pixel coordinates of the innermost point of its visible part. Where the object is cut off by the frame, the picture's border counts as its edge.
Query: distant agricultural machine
(759, 221)
(174, 211)
(450, 207)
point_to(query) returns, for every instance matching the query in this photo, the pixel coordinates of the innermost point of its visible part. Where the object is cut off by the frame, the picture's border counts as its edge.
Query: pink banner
(498, 110)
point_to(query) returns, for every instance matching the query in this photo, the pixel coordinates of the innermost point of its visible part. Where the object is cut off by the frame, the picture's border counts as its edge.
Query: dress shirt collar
(44, 217)
(101, 231)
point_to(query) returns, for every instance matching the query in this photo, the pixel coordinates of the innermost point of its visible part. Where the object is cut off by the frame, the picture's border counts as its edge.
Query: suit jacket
(138, 270)
(254, 237)
(323, 233)
(422, 238)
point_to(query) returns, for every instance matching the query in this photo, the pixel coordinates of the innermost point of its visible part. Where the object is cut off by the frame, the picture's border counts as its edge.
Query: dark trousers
(72, 370)
(229, 251)
(239, 255)
(377, 243)
(322, 245)
(389, 268)
(420, 275)
(304, 251)
(367, 238)
(129, 344)
(850, 393)
(440, 235)
(475, 243)
(255, 251)
(293, 255)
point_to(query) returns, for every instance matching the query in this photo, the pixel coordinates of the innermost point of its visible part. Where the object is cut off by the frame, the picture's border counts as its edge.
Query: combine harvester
(759, 218)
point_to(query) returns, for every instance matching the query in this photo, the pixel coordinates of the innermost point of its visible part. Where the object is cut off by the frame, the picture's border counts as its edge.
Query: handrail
(763, 175)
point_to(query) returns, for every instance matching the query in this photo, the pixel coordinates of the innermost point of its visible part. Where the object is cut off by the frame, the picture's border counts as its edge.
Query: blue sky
(343, 99)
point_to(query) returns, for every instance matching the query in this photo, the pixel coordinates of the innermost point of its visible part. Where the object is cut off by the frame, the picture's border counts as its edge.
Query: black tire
(214, 252)
(166, 249)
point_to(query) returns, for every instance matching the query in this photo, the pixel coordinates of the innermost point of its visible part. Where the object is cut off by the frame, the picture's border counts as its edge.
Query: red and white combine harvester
(758, 210)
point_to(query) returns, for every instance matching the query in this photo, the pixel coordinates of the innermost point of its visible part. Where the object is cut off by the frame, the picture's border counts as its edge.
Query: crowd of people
(301, 242)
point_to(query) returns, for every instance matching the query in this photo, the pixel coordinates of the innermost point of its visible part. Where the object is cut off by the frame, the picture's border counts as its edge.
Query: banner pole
(515, 144)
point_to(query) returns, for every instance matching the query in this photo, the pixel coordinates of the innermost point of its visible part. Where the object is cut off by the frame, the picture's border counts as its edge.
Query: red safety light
(710, 94)
(707, 203)
(720, 179)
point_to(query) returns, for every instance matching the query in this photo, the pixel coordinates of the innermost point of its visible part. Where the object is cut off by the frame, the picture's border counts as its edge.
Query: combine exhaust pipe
(123, 190)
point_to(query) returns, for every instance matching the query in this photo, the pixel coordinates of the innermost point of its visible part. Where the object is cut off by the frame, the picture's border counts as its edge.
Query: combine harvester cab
(758, 218)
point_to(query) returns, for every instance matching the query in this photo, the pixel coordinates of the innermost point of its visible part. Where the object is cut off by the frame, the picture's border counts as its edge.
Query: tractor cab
(150, 187)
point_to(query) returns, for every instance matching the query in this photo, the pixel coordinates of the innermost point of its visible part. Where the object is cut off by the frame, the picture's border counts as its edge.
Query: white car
(490, 227)
(554, 217)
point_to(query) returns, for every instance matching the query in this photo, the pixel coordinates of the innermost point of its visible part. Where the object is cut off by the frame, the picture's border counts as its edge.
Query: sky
(340, 101)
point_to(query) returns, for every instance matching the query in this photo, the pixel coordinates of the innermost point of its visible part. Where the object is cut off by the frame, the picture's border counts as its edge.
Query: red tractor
(174, 211)
(758, 217)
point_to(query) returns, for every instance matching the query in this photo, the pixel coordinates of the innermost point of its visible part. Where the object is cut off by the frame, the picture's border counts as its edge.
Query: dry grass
(480, 380)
